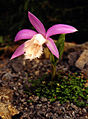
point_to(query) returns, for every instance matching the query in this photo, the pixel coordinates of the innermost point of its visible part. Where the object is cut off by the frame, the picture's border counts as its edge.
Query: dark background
(13, 16)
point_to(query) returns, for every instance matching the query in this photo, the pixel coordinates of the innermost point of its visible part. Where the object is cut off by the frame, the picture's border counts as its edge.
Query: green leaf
(52, 58)
(60, 44)
(52, 99)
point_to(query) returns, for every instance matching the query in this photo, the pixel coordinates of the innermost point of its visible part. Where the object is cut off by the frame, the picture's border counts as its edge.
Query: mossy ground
(64, 88)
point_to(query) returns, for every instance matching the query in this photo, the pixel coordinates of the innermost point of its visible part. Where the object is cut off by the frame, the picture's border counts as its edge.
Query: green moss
(64, 88)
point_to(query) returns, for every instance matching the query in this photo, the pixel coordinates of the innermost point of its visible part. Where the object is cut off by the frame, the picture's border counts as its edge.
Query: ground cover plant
(64, 88)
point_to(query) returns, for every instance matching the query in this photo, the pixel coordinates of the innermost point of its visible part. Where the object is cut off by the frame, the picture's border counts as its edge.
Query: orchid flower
(34, 48)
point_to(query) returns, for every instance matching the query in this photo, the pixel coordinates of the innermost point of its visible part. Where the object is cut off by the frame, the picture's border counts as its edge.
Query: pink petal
(52, 47)
(36, 23)
(25, 34)
(60, 29)
(19, 51)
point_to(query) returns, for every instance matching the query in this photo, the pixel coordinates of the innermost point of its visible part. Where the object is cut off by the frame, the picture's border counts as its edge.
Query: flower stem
(53, 71)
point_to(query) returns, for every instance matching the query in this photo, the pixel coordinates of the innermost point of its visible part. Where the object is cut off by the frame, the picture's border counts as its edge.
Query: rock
(17, 65)
(7, 76)
(82, 60)
(68, 46)
(74, 106)
(75, 57)
(8, 112)
(43, 99)
(36, 73)
(5, 104)
(72, 57)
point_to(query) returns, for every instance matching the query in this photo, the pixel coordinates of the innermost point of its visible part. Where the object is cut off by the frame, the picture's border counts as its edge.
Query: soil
(14, 75)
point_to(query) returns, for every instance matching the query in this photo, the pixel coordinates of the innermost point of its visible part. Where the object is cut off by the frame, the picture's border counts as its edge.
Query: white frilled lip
(39, 39)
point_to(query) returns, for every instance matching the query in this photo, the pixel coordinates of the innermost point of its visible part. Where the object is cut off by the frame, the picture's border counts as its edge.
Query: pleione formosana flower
(33, 47)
